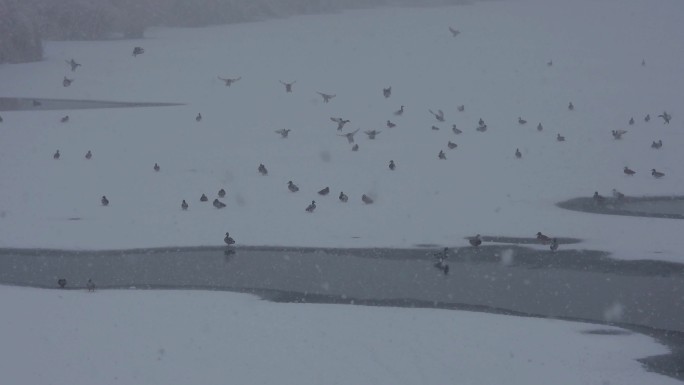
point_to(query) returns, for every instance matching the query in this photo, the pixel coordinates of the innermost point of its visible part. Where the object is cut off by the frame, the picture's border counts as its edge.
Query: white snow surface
(195, 337)
(497, 68)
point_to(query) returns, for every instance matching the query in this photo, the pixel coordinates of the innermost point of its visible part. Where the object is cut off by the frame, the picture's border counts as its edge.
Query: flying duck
(392, 166)
(518, 154)
(350, 136)
(310, 208)
(104, 201)
(628, 171)
(138, 51)
(288, 86)
(441, 155)
(390, 124)
(292, 187)
(455, 130)
(521, 121)
(343, 197)
(340, 122)
(666, 117)
(366, 199)
(475, 241)
(560, 138)
(399, 112)
(283, 132)
(73, 64)
(218, 204)
(324, 191)
(554, 244)
(262, 169)
(56, 155)
(387, 92)
(67, 82)
(228, 81)
(204, 198)
(657, 144)
(221, 193)
(657, 174)
(371, 134)
(454, 32)
(228, 240)
(542, 238)
(326, 97)
(452, 145)
(88, 155)
(617, 134)
(198, 118)
(439, 115)
(184, 205)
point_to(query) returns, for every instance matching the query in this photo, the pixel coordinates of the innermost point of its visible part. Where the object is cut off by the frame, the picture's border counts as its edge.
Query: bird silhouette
(521, 121)
(324, 191)
(628, 171)
(461, 108)
(292, 187)
(221, 193)
(439, 115)
(138, 51)
(229, 81)
(540, 127)
(343, 197)
(340, 122)
(647, 118)
(288, 86)
(64, 119)
(310, 208)
(198, 118)
(283, 132)
(554, 244)
(390, 124)
(66, 82)
(441, 155)
(387, 92)
(262, 169)
(399, 112)
(88, 155)
(218, 204)
(228, 239)
(435, 128)
(631, 121)
(372, 133)
(475, 241)
(326, 97)
(452, 145)
(454, 32)
(571, 106)
(62, 282)
(657, 174)
(350, 135)
(560, 138)
(73, 64)
(204, 198)
(657, 144)
(392, 166)
(90, 285)
(104, 201)
(366, 199)
(355, 147)
(184, 205)
(455, 130)
(618, 195)
(617, 134)
(56, 155)
(666, 117)
(543, 238)
(518, 154)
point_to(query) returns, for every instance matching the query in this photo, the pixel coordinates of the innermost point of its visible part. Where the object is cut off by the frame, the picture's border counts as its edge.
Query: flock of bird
(340, 123)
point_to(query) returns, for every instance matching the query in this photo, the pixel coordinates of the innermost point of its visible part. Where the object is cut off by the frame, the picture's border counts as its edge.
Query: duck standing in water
(475, 241)
(543, 238)
(228, 240)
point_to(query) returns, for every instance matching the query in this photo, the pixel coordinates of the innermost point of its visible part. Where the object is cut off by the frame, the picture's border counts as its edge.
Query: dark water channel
(647, 296)
(41, 104)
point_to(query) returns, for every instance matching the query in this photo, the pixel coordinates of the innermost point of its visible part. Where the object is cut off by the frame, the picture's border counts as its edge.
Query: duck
(283, 132)
(310, 208)
(372, 133)
(56, 155)
(36, 103)
(355, 147)
(387, 92)
(64, 119)
(343, 197)
(666, 117)
(262, 169)
(138, 51)
(435, 128)
(184, 205)
(455, 129)
(542, 238)
(392, 166)
(204, 198)
(657, 144)
(518, 154)
(399, 112)
(618, 195)
(461, 108)
(228, 239)
(628, 171)
(631, 121)
(1, 119)
(657, 174)
(540, 127)
(156, 167)
(218, 204)
(88, 155)
(439, 115)
(481, 122)
(598, 198)
(366, 199)
(441, 155)
(221, 193)
(554, 244)
(288, 86)
(571, 106)
(617, 134)
(560, 138)
(104, 201)
(340, 122)
(452, 145)
(549, 63)
(73, 64)
(324, 191)
(326, 97)
(521, 121)
(454, 32)
(66, 82)
(198, 118)
(229, 81)
(292, 187)
(90, 285)
(350, 135)
(390, 124)
(647, 118)
(62, 283)
(475, 241)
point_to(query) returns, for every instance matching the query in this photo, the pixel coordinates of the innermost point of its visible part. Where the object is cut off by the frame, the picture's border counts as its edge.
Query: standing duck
(156, 167)
(343, 197)
(543, 238)
(88, 155)
(392, 166)
(628, 171)
(221, 193)
(657, 174)
(399, 112)
(228, 239)
(441, 155)
(218, 204)
(184, 205)
(198, 118)
(518, 154)
(292, 187)
(310, 208)
(455, 130)
(366, 199)
(262, 169)
(56, 155)
(571, 106)
(560, 138)
(387, 92)
(104, 201)
(657, 144)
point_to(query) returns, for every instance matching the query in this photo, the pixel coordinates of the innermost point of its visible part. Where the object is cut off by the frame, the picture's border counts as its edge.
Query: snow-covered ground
(181, 337)
(497, 67)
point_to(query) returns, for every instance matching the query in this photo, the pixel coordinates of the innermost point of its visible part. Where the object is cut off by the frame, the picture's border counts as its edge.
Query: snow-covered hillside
(496, 67)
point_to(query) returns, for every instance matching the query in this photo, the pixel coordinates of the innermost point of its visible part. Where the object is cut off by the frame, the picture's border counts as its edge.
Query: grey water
(40, 104)
(671, 207)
